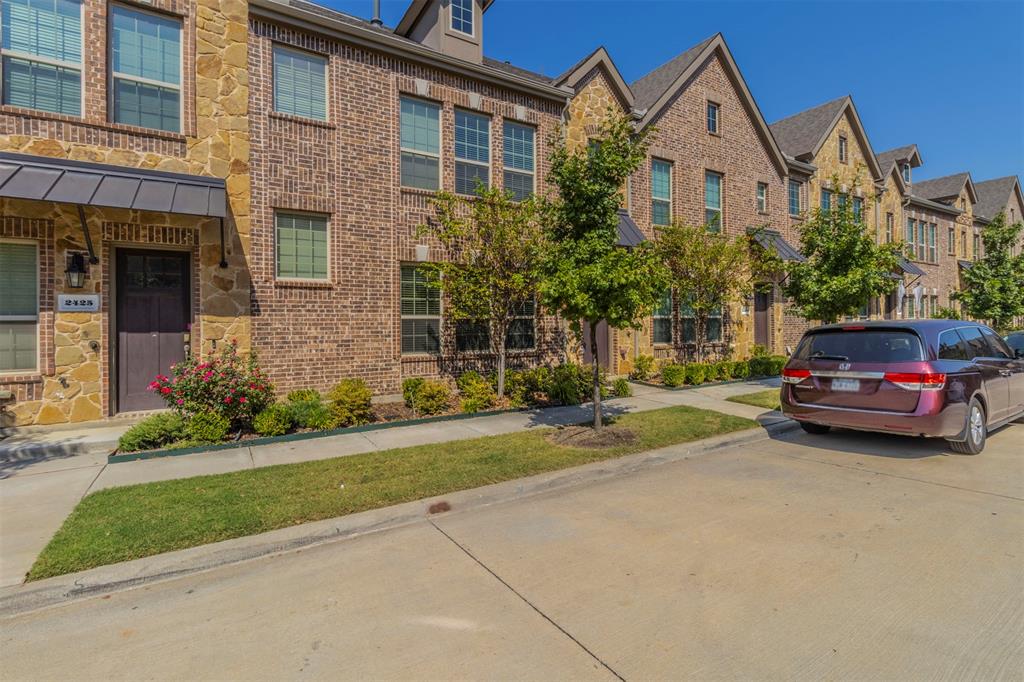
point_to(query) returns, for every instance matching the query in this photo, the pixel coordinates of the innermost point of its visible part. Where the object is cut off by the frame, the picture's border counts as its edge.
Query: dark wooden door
(762, 318)
(152, 317)
(603, 357)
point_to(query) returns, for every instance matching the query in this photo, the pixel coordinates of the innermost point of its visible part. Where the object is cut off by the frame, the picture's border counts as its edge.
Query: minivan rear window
(868, 345)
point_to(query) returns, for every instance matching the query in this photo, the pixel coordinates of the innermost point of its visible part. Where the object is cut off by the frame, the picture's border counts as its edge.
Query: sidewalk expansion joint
(528, 602)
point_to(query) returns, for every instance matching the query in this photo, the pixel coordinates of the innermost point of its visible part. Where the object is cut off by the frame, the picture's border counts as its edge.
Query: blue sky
(946, 75)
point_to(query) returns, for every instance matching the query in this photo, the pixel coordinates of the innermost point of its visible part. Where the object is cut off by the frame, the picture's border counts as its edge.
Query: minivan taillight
(795, 376)
(917, 381)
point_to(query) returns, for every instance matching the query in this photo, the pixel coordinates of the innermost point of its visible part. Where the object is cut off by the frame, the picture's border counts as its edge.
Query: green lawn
(767, 399)
(120, 524)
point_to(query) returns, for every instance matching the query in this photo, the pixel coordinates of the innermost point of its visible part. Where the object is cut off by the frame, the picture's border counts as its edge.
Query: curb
(690, 387)
(72, 587)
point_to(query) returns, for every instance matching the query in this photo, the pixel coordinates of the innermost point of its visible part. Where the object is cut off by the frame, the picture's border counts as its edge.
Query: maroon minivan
(937, 378)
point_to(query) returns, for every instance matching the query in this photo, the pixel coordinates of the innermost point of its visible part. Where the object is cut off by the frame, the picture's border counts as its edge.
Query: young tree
(993, 288)
(587, 277)
(844, 268)
(493, 247)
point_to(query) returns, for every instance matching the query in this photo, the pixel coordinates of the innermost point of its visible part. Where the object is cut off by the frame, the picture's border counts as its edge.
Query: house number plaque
(78, 303)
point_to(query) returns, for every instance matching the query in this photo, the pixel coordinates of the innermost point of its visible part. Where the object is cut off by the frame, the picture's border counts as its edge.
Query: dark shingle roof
(648, 89)
(887, 158)
(568, 72)
(993, 195)
(516, 71)
(799, 134)
(941, 188)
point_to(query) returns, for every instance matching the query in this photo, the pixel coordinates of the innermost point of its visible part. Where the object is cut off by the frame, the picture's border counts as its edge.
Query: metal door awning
(23, 176)
(773, 242)
(629, 234)
(909, 268)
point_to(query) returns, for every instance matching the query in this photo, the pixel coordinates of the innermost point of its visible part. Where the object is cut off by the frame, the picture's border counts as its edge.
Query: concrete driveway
(844, 556)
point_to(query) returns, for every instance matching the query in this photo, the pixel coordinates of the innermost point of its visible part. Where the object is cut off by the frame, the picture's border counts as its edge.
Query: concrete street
(851, 556)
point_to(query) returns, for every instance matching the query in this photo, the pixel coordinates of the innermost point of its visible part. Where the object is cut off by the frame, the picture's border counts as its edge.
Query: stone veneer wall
(72, 382)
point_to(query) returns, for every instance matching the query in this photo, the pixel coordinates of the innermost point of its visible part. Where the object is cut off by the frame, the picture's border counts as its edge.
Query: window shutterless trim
(402, 317)
(533, 157)
(472, 19)
(417, 152)
(327, 244)
(27, 318)
(757, 197)
(327, 80)
(662, 200)
(469, 162)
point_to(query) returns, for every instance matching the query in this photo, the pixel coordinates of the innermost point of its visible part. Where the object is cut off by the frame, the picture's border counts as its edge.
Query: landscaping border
(114, 458)
(687, 387)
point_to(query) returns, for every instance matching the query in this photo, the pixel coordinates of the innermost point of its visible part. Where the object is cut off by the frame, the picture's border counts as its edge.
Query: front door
(762, 318)
(602, 345)
(153, 315)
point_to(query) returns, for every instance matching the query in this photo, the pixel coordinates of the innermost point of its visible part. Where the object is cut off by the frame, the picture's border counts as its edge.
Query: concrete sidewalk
(36, 495)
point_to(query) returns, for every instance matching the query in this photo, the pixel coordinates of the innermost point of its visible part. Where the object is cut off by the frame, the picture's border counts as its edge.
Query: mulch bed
(587, 437)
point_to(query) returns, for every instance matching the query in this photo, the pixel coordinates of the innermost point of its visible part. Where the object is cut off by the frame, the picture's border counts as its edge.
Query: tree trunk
(596, 363)
(501, 371)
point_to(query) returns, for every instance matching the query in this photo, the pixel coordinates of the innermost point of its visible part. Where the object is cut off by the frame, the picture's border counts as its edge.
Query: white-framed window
(858, 208)
(842, 149)
(762, 197)
(145, 69)
(420, 144)
(519, 159)
(300, 83)
(462, 16)
(890, 227)
(933, 251)
(661, 192)
(421, 313)
(472, 151)
(911, 238)
(713, 118)
(795, 188)
(906, 172)
(713, 201)
(19, 307)
(301, 246)
(42, 55)
(951, 238)
(663, 319)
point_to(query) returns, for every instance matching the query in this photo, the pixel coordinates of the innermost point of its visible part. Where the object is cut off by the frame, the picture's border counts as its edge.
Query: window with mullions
(519, 160)
(713, 117)
(472, 151)
(794, 197)
(421, 313)
(842, 149)
(420, 143)
(826, 200)
(462, 16)
(145, 63)
(712, 332)
(300, 83)
(301, 242)
(19, 307)
(933, 252)
(663, 319)
(911, 238)
(762, 197)
(951, 238)
(858, 208)
(713, 201)
(661, 192)
(890, 227)
(475, 335)
(42, 55)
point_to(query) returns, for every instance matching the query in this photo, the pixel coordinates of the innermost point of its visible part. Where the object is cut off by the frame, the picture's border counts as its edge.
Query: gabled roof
(890, 157)
(658, 89)
(946, 187)
(993, 195)
(413, 12)
(598, 59)
(802, 135)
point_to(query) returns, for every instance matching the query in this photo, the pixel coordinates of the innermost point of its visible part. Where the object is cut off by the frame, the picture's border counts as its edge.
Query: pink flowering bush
(226, 384)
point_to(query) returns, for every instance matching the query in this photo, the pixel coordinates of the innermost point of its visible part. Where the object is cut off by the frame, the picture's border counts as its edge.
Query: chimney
(376, 21)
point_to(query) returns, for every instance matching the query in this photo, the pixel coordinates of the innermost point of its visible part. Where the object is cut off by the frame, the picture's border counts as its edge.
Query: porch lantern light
(75, 273)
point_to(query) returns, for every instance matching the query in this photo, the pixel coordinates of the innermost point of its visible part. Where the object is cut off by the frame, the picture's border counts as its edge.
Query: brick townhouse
(712, 160)
(124, 202)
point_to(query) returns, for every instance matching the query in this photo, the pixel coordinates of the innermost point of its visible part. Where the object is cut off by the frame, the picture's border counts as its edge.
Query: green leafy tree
(491, 270)
(993, 288)
(844, 268)
(587, 277)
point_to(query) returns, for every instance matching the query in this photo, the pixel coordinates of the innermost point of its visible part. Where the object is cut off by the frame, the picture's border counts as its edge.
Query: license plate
(846, 385)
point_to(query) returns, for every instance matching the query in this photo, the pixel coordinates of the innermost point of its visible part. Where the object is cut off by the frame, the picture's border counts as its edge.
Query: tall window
(963, 243)
(421, 313)
(933, 254)
(906, 172)
(794, 197)
(472, 151)
(858, 208)
(890, 227)
(421, 144)
(19, 306)
(42, 55)
(661, 192)
(713, 201)
(663, 319)
(951, 238)
(713, 118)
(300, 83)
(842, 149)
(976, 247)
(462, 16)
(762, 197)
(519, 159)
(826, 200)
(145, 62)
(911, 238)
(301, 241)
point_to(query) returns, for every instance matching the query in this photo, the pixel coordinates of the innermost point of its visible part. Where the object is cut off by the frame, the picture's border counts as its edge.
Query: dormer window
(462, 16)
(906, 172)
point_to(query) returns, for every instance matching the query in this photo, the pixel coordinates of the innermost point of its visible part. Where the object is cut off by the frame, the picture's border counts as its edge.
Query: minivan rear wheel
(976, 431)
(816, 429)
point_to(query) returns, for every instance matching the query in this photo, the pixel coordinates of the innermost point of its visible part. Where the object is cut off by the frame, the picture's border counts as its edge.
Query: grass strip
(769, 399)
(120, 524)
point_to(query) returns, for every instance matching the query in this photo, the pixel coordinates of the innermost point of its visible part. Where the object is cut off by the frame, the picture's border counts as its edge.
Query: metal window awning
(24, 176)
(910, 269)
(774, 242)
(628, 231)
(965, 264)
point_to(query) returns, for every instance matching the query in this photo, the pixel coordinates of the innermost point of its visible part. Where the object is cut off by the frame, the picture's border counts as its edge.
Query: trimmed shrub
(767, 366)
(643, 367)
(564, 387)
(207, 427)
(740, 369)
(476, 391)
(351, 402)
(536, 381)
(673, 375)
(276, 420)
(696, 373)
(621, 388)
(515, 386)
(409, 388)
(304, 395)
(312, 414)
(152, 433)
(432, 397)
(722, 371)
(759, 351)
